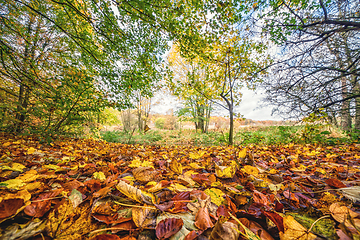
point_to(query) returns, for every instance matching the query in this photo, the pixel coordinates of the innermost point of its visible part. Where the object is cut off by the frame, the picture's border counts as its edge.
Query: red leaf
(106, 237)
(42, 204)
(201, 178)
(333, 182)
(179, 207)
(168, 227)
(93, 185)
(279, 207)
(9, 207)
(181, 196)
(289, 195)
(260, 198)
(193, 234)
(231, 205)
(222, 211)
(276, 218)
(124, 226)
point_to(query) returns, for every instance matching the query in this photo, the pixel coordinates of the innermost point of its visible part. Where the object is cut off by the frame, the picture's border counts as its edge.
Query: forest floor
(92, 189)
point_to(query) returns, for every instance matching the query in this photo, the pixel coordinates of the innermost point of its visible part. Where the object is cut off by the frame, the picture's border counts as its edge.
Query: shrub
(160, 122)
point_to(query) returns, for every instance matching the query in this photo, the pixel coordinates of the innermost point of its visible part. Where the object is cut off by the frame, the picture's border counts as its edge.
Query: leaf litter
(91, 189)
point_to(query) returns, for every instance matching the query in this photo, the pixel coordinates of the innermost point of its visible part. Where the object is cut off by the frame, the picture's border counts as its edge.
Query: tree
(239, 64)
(318, 65)
(42, 84)
(198, 75)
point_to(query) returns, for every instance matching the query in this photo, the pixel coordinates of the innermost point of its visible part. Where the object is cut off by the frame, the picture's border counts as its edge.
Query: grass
(261, 135)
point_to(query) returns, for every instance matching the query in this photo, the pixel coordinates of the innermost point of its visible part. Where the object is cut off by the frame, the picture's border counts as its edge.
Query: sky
(250, 107)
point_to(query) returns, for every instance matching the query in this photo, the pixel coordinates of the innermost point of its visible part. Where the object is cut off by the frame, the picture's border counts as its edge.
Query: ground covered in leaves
(90, 189)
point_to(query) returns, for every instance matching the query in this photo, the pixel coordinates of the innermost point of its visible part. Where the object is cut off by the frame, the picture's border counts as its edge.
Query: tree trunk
(345, 107)
(231, 130)
(357, 106)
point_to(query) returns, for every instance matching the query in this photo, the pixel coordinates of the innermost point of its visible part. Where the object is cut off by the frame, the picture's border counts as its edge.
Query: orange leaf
(202, 219)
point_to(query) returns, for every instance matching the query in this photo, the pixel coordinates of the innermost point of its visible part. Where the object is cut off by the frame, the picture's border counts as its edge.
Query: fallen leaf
(333, 182)
(176, 167)
(295, 231)
(344, 215)
(23, 231)
(134, 193)
(41, 204)
(168, 227)
(225, 171)
(216, 195)
(75, 198)
(202, 219)
(144, 217)
(67, 222)
(225, 231)
(99, 175)
(12, 203)
(146, 174)
(250, 170)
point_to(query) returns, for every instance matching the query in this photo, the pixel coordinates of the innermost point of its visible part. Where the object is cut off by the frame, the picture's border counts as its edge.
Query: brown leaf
(225, 231)
(146, 174)
(93, 185)
(333, 182)
(202, 219)
(222, 211)
(106, 237)
(168, 227)
(144, 217)
(344, 215)
(193, 234)
(256, 228)
(9, 207)
(124, 226)
(13, 203)
(42, 204)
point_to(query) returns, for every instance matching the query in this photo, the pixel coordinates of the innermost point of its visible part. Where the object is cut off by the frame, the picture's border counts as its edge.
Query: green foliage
(149, 137)
(160, 122)
(110, 116)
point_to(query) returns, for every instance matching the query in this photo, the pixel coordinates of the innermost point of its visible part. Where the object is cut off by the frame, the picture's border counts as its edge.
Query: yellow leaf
(250, 170)
(129, 178)
(135, 163)
(216, 184)
(18, 167)
(34, 186)
(176, 167)
(216, 195)
(6, 144)
(196, 166)
(197, 155)
(31, 150)
(13, 184)
(29, 176)
(178, 187)
(294, 230)
(52, 167)
(242, 153)
(224, 171)
(301, 168)
(273, 171)
(99, 175)
(134, 193)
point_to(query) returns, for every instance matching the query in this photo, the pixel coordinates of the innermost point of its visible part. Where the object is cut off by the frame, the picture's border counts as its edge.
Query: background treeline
(63, 62)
